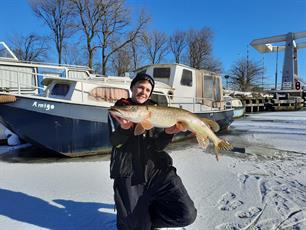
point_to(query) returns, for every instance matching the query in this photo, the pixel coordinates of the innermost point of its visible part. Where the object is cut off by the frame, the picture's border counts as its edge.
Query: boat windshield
(60, 89)
(159, 98)
(162, 74)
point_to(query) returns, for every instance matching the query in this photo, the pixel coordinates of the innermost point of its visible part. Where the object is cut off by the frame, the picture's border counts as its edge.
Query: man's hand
(124, 124)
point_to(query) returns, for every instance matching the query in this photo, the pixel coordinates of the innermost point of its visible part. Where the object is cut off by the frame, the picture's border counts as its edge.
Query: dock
(274, 101)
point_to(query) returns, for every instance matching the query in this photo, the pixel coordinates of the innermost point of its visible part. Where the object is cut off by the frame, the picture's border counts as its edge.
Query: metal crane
(290, 79)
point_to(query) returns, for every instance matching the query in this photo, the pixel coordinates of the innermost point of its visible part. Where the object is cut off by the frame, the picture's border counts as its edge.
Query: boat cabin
(193, 89)
(103, 91)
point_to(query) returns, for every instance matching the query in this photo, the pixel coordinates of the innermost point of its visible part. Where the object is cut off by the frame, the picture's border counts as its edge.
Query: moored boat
(71, 117)
(68, 114)
(236, 105)
(199, 91)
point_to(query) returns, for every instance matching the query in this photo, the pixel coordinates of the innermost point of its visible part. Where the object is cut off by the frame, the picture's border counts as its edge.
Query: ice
(263, 187)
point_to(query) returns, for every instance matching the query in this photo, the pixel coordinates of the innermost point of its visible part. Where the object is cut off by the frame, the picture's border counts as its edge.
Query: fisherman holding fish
(148, 192)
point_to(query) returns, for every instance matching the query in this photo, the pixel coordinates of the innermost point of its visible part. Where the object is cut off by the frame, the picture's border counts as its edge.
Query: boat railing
(197, 101)
(192, 102)
(111, 79)
(45, 65)
(19, 85)
(12, 58)
(9, 51)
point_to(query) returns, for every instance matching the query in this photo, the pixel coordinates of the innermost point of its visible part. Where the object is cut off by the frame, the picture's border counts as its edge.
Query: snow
(263, 188)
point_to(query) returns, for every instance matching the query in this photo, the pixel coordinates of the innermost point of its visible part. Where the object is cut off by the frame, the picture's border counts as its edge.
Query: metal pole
(226, 78)
(276, 68)
(262, 75)
(18, 83)
(194, 101)
(82, 88)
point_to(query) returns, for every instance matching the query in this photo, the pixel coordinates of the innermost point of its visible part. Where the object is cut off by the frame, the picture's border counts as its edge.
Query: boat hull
(224, 117)
(239, 112)
(70, 129)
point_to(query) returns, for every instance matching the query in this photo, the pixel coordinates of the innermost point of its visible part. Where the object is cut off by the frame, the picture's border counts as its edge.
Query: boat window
(186, 79)
(60, 89)
(107, 94)
(142, 71)
(159, 98)
(208, 87)
(77, 74)
(161, 73)
(50, 74)
(217, 87)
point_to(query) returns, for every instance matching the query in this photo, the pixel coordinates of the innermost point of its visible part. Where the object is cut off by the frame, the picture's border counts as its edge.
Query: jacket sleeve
(160, 139)
(117, 135)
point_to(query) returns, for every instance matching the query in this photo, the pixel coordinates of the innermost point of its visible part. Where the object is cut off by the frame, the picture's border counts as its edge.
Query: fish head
(132, 113)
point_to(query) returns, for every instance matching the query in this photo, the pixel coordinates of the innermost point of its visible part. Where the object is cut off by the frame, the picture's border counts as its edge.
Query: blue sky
(235, 24)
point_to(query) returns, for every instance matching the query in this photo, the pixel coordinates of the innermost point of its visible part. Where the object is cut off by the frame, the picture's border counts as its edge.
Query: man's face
(141, 91)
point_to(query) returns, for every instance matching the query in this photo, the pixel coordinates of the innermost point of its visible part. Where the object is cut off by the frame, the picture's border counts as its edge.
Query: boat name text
(44, 106)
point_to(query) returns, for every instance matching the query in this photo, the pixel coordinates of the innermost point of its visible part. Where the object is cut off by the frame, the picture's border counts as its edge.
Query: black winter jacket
(131, 153)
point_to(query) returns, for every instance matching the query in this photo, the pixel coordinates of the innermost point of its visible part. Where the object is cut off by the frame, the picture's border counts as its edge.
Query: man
(148, 192)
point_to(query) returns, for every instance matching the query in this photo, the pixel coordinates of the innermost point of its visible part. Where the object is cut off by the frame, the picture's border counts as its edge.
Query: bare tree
(199, 47)
(155, 44)
(121, 61)
(245, 74)
(57, 14)
(71, 54)
(30, 47)
(212, 64)
(115, 33)
(177, 44)
(136, 49)
(89, 15)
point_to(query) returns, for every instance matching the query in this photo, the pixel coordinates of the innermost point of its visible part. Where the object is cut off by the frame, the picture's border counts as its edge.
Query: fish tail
(222, 145)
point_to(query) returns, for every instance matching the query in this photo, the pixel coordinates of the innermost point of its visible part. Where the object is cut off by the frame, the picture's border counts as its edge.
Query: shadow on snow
(63, 214)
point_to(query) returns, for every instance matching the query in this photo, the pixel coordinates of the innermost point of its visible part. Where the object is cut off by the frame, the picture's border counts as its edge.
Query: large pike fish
(148, 117)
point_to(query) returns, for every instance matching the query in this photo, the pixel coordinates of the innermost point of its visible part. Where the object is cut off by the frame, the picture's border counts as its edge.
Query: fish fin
(212, 124)
(146, 124)
(139, 129)
(203, 141)
(181, 126)
(222, 145)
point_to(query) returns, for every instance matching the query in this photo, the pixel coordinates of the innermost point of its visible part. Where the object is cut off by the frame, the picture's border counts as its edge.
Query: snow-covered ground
(263, 188)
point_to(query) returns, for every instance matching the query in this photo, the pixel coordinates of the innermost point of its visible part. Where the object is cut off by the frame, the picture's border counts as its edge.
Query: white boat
(236, 104)
(198, 91)
(70, 115)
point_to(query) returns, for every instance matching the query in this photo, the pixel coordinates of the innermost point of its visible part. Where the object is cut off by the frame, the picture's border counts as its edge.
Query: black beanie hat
(142, 77)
